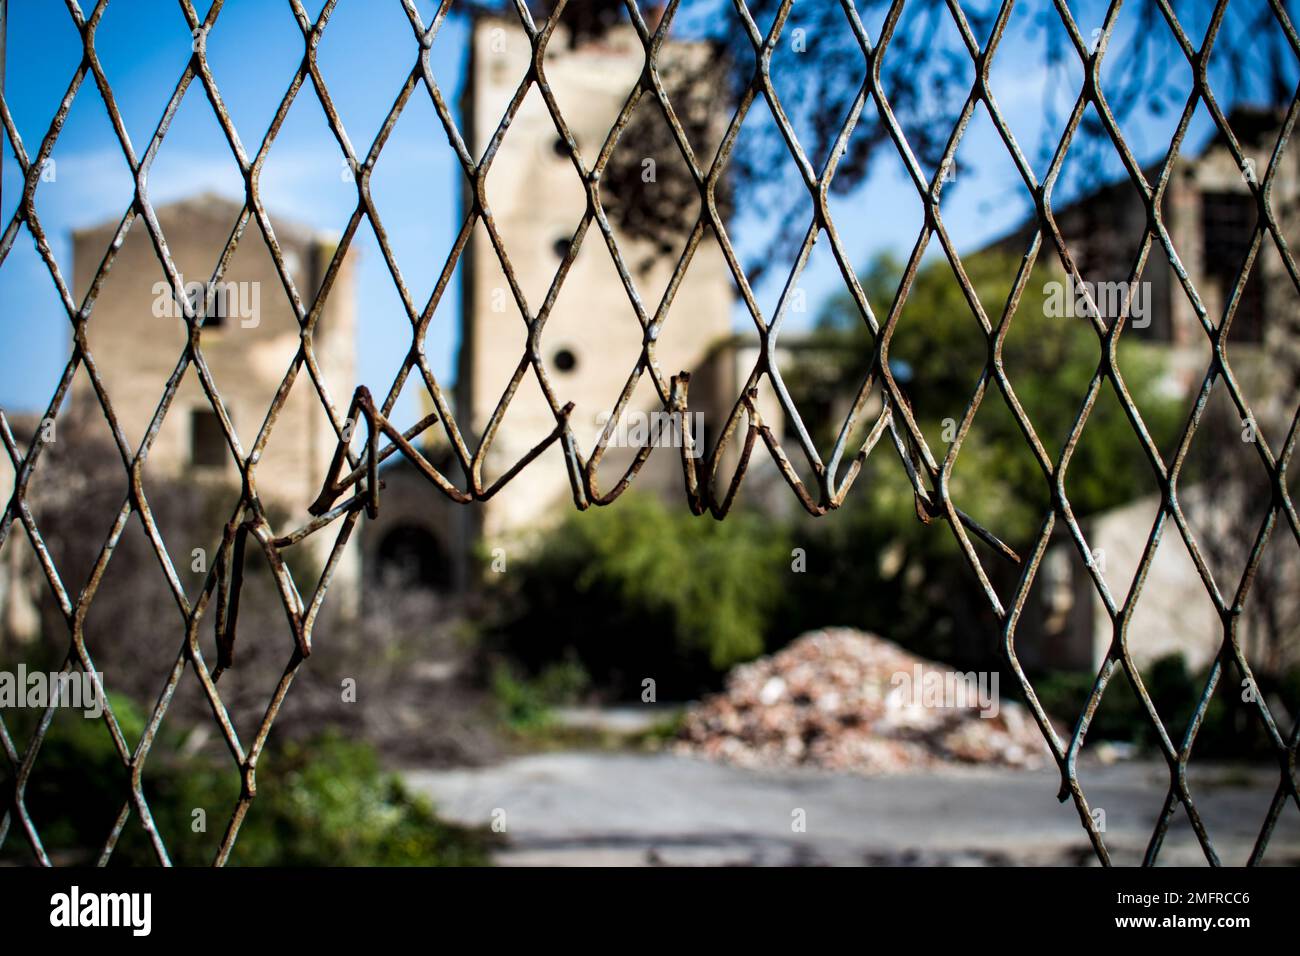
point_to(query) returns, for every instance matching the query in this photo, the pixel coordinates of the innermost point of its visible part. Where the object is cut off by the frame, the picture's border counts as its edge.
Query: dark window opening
(411, 557)
(214, 313)
(319, 257)
(1228, 225)
(565, 360)
(207, 440)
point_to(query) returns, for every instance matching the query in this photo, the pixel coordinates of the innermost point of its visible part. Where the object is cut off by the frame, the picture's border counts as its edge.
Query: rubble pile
(842, 699)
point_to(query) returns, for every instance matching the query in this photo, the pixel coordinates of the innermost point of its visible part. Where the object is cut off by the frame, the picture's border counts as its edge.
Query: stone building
(1211, 216)
(1210, 213)
(137, 334)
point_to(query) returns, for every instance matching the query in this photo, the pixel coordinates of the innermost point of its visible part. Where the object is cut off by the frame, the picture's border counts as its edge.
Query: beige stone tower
(592, 338)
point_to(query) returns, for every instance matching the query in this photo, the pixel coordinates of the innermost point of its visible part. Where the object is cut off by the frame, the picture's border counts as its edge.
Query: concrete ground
(635, 809)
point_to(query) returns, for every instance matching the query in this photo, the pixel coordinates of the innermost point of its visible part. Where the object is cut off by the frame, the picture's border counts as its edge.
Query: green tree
(875, 564)
(937, 353)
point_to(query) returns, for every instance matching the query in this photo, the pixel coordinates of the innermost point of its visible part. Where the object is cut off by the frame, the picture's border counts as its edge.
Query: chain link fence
(352, 485)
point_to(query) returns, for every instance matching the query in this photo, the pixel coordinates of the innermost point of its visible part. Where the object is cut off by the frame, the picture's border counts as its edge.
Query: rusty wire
(354, 477)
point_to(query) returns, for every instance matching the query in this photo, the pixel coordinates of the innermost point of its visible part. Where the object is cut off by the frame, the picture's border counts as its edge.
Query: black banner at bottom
(337, 905)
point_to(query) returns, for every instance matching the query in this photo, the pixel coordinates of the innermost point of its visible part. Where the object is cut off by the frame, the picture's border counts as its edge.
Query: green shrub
(637, 590)
(1231, 728)
(326, 802)
(321, 802)
(519, 706)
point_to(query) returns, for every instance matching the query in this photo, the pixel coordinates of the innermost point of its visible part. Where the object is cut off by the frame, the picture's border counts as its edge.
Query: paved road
(631, 809)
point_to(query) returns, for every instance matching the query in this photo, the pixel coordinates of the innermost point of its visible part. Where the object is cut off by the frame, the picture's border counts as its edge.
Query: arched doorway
(412, 557)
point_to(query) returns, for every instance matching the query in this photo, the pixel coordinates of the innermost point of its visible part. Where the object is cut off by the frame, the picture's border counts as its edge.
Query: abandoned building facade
(1210, 212)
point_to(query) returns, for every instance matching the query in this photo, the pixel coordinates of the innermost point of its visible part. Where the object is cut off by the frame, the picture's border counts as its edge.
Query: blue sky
(367, 51)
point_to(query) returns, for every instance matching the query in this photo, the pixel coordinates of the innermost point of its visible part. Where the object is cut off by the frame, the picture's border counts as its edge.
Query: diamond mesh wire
(352, 485)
